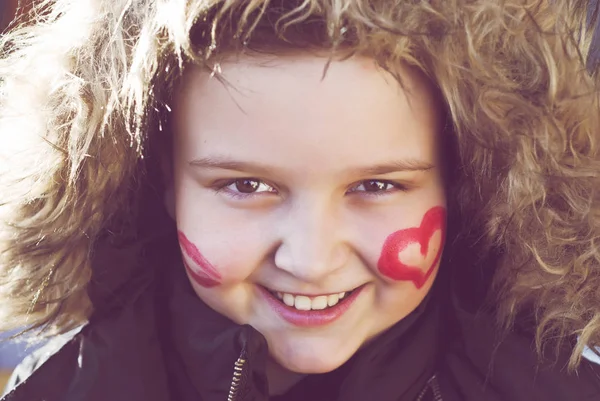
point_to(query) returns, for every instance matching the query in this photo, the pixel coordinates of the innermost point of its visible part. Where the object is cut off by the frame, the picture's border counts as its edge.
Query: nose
(311, 242)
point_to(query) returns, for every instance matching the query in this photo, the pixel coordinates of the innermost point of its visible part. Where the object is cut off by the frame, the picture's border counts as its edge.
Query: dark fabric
(482, 364)
(165, 344)
(152, 339)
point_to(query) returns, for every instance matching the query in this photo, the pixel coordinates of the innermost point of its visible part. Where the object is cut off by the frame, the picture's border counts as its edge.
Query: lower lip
(310, 318)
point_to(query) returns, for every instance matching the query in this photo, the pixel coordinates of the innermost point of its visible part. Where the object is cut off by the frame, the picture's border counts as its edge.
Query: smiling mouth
(310, 312)
(306, 303)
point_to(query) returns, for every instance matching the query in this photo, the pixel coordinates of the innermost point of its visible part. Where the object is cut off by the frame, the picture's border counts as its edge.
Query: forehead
(288, 110)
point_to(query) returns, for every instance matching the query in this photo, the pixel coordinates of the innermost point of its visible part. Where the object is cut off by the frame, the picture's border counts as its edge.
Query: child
(302, 200)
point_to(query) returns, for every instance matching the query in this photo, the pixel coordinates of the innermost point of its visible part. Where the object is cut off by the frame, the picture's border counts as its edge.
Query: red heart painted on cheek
(390, 264)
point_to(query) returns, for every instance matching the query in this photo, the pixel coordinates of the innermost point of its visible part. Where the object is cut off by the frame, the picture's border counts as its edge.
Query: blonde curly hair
(85, 88)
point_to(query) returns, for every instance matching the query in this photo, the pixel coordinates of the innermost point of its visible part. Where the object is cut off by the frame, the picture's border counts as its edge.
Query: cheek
(220, 260)
(198, 267)
(212, 255)
(412, 254)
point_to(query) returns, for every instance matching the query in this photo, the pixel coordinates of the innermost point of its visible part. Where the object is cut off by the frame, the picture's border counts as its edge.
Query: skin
(316, 223)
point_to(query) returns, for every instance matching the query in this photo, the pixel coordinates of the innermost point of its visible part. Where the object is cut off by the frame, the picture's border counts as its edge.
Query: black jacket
(152, 339)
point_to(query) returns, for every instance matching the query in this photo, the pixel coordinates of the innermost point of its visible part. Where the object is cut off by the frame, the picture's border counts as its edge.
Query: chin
(309, 364)
(311, 357)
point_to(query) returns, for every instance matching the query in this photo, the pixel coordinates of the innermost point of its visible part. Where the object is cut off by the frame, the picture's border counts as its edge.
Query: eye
(376, 187)
(248, 186)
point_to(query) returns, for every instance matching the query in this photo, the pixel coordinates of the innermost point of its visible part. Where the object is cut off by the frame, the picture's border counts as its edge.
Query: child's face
(287, 182)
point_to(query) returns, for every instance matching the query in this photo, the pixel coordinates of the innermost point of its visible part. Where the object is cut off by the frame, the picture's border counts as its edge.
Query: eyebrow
(394, 167)
(224, 163)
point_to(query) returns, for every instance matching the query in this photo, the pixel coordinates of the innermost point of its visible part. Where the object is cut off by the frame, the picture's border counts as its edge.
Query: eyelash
(392, 187)
(224, 187)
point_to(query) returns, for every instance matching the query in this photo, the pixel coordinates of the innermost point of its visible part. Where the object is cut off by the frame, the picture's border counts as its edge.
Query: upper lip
(311, 294)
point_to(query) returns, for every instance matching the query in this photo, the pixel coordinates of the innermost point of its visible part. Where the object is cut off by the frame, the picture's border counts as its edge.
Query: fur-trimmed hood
(84, 105)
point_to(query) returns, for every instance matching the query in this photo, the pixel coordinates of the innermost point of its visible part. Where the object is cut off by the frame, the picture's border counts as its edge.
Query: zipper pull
(238, 369)
(249, 382)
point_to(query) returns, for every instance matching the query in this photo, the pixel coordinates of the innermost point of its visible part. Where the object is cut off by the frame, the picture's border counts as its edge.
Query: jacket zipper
(433, 386)
(238, 368)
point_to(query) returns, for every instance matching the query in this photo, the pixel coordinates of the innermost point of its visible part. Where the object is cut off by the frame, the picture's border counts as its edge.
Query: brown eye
(247, 186)
(377, 187)
(373, 186)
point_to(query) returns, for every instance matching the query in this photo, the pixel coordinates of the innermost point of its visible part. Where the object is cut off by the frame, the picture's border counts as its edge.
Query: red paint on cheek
(205, 275)
(390, 264)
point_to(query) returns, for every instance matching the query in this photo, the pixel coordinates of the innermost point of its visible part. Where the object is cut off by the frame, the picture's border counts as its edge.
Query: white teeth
(333, 299)
(288, 299)
(302, 302)
(319, 302)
